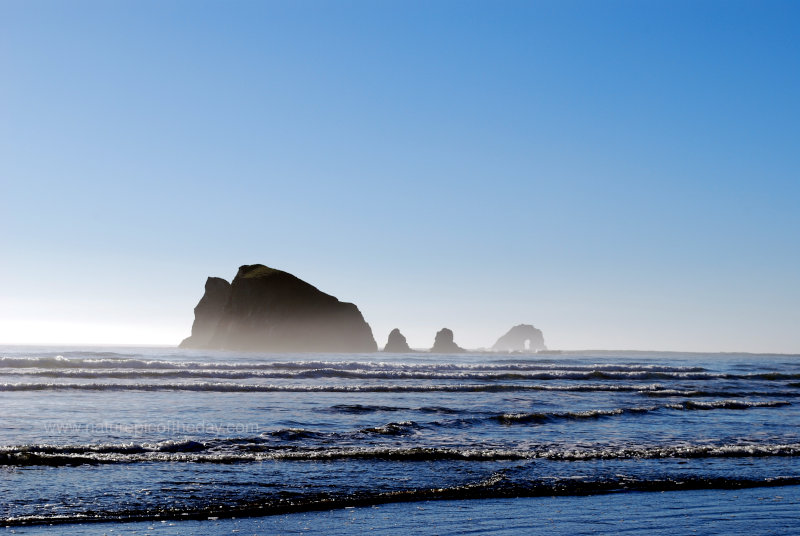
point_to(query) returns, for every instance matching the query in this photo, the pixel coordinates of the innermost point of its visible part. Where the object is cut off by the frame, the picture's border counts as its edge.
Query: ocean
(167, 441)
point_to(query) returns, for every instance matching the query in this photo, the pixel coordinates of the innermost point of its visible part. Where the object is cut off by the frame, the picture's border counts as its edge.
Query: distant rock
(268, 310)
(521, 338)
(207, 313)
(397, 343)
(444, 344)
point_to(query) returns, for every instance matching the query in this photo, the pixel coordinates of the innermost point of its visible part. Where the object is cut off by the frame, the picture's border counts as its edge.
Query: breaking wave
(365, 388)
(103, 361)
(258, 449)
(497, 485)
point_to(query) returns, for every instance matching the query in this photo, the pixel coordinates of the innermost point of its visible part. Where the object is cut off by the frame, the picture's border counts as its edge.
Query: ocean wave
(293, 434)
(255, 388)
(649, 390)
(81, 354)
(727, 404)
(701, 393)
(106, 361)
(688, 405)
(518, 418)
(496, 485)
(358, 409)
(392, 428)
(115, 366)
(259, 450)
(167, 373)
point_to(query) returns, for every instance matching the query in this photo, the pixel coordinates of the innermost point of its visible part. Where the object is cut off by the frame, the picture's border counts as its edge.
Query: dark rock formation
(208, 312)
(444, 344)
(268, 310)
(522, 338)
(397, 343)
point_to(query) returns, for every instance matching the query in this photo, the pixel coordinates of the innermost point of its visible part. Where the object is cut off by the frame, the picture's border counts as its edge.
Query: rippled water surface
(167, 435)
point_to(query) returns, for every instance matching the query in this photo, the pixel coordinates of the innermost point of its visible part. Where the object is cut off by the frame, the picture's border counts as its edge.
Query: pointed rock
(397, 343)
(207, 313)
(444, 344)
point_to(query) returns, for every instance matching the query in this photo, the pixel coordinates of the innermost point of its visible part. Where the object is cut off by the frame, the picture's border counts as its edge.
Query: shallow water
(759, 511)
(125, 434)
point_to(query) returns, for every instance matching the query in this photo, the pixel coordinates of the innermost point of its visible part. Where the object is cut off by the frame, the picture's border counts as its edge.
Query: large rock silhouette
(397, 343)
(521, 338)
(269, 310)
(444, 344)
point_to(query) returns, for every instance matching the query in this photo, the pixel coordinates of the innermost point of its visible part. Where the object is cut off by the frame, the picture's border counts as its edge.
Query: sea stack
(521, 338)
(444, 344)
(269, 310)
(397, 343)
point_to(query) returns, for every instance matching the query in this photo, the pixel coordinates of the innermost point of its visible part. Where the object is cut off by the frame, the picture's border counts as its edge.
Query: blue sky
(620, 174)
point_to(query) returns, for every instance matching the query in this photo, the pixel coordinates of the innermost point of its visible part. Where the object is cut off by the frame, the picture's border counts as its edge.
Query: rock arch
(521, 338)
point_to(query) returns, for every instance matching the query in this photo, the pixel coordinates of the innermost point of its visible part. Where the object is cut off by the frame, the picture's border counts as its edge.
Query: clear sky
(619, 174)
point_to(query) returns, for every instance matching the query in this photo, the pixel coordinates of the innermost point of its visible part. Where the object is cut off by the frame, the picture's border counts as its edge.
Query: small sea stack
(397, 343)
(444, 344)
(521, 338)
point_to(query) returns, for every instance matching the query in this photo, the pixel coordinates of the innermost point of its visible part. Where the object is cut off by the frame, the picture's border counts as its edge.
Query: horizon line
(549, 351)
